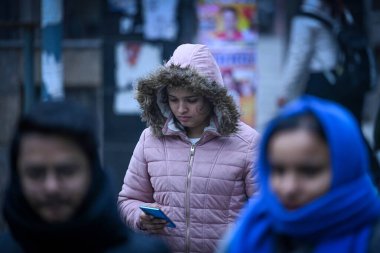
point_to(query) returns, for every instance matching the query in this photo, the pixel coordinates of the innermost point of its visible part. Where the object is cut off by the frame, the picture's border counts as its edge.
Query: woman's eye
(192, 101)
(310, 171)
(278, 170)
(66, 170)
(173, 100)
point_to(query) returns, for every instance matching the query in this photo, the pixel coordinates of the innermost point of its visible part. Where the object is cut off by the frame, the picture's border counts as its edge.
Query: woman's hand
(150, 224)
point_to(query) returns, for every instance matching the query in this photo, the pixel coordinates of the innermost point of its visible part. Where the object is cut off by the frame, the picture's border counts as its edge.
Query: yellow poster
(228, 29)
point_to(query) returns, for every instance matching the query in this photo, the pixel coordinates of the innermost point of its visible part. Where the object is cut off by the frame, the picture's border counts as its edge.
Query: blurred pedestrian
(312, 57)
(196, 160)
(59, 199)
(316, 191)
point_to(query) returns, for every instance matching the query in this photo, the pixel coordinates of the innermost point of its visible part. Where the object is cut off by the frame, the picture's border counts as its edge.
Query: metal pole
(51, 60)
(28, 51)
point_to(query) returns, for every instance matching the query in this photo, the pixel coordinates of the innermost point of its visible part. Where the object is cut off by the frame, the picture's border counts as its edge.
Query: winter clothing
(313, 51)
(376, 147)
(96, 226)
(285, 244)
(341, 220)
(201, 186)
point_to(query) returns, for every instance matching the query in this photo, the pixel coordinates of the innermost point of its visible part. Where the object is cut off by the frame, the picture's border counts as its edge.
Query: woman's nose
(182, 107)
(290, 184)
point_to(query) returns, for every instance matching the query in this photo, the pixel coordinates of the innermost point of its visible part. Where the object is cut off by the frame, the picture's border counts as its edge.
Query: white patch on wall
(160, 20)
(52, 75)
(125, 25)
(51, 12)
(132, 61)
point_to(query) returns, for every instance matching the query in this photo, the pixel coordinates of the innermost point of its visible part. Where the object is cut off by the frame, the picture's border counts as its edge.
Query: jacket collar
(173, 128)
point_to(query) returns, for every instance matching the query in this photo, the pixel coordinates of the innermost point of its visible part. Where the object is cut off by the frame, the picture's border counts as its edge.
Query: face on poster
(133, 60)
(224, 23)
(228, 29)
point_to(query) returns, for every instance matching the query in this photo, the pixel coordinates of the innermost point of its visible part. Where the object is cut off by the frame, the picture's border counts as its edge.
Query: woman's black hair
(305, 121)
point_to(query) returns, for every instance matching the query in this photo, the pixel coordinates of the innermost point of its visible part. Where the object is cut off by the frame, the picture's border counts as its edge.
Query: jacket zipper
(188, 182)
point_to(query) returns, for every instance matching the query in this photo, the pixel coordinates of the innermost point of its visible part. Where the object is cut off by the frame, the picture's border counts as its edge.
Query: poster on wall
(240, 78)
(132, 61)
(160, 19)
(228, 28)
(223, 24)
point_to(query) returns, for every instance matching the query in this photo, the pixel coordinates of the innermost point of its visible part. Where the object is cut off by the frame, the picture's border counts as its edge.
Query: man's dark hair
(58, 118)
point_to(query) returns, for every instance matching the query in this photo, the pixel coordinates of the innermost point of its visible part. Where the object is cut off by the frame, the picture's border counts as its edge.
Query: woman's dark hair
(300, 121)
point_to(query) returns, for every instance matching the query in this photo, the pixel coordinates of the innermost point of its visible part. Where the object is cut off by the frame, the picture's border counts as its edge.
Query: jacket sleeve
(297, 64)
(251, 186)
(137, 189)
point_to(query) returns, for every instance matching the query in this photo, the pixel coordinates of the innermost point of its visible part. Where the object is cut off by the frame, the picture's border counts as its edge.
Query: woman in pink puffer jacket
(196, 161)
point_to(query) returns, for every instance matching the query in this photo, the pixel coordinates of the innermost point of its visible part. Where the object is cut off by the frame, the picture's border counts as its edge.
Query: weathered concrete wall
(82, 78)
(9, 106)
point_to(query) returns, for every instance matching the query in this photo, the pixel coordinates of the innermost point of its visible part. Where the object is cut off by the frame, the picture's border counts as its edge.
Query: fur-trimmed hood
(192, 66)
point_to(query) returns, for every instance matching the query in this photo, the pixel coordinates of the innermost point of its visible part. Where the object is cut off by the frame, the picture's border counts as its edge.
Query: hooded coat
(313, 55)
(201, 186)
(344, 219)
(312, 49)
(96, 225)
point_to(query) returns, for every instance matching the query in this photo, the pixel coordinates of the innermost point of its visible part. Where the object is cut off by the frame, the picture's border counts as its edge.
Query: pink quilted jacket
(201, 187)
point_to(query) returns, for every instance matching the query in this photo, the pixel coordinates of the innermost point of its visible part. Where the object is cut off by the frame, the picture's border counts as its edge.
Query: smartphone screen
(157, 213)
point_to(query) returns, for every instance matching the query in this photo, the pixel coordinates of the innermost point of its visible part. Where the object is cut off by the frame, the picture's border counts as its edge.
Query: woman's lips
(291, 206)
(183, 118)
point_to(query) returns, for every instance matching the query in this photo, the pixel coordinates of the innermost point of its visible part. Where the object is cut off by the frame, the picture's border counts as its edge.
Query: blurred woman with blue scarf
(316, 190)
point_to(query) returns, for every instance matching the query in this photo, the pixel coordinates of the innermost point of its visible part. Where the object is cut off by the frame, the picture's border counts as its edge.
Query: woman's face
(300, 167)
(191, 110)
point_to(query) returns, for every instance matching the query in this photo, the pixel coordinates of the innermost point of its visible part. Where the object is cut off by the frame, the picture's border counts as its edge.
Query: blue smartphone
(157, 213)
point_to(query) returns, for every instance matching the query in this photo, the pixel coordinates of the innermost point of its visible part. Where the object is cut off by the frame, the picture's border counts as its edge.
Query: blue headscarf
(338, 221)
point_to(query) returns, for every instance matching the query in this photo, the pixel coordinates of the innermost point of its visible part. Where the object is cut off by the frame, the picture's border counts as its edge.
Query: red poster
(228, 29)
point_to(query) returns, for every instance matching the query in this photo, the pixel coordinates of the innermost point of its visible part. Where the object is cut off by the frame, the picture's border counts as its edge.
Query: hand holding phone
(157, 213)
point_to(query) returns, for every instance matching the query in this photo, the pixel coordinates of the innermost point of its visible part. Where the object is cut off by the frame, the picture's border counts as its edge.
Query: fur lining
(176, 76)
